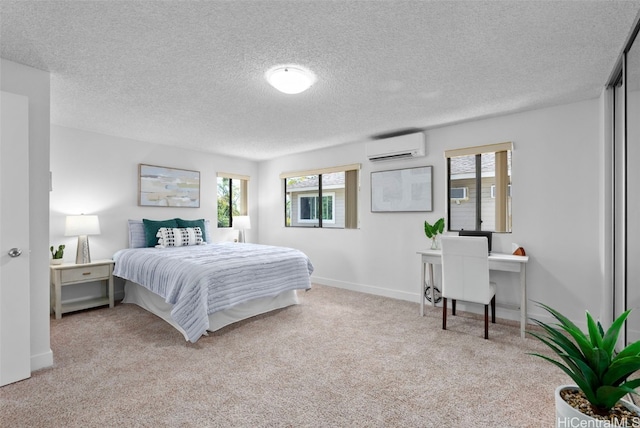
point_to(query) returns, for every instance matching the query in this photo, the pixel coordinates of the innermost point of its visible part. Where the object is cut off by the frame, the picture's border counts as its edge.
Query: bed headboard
(137, 238)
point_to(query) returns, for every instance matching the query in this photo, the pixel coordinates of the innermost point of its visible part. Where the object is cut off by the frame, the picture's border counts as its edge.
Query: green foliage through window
(230, 200)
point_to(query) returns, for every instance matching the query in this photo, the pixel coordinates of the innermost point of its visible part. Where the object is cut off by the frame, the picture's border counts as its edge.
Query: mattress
(146, 299)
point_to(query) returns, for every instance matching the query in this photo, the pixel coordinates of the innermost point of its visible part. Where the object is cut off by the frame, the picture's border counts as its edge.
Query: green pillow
(193, 223)
(151, 228)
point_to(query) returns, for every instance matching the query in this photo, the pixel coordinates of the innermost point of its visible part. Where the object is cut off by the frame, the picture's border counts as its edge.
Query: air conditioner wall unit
(399, 147)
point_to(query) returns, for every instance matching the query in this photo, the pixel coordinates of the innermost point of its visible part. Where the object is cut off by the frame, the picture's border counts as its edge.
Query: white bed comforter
(200, 280)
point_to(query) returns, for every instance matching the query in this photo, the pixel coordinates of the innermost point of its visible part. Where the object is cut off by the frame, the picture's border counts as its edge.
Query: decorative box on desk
(71, 273)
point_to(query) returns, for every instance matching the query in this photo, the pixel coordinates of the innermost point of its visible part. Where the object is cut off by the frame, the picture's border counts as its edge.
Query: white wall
(34, 84)
(98, 174)
(557, 198)
(556, 215)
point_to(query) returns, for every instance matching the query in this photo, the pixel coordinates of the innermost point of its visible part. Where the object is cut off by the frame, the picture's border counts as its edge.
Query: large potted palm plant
(601, 374)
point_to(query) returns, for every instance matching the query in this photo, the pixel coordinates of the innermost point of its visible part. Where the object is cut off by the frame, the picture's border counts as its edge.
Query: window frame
(244, 195)
(503, 220)
(351, 198)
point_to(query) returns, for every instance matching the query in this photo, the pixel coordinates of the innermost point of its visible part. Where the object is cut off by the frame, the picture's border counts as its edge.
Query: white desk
(497, 261)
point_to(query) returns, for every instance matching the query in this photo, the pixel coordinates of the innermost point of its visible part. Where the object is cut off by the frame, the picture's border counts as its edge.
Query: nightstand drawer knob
(14, 252)
(86, 273)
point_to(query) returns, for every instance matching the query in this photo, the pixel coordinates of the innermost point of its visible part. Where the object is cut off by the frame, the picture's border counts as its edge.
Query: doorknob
(14, 252)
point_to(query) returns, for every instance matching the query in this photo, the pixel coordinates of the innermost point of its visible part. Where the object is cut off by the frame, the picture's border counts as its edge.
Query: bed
(204, 287)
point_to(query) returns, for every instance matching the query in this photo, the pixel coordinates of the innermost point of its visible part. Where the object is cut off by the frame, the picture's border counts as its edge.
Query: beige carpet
(339, 359)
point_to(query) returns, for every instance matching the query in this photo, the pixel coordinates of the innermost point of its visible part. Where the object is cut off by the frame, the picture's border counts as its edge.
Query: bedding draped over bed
(200, 280)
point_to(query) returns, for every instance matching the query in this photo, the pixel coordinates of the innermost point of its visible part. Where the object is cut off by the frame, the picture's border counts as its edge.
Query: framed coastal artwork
(402, 190)
(160, 186)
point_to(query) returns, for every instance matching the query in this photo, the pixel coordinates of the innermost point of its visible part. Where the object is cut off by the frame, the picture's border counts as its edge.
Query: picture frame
(160, 186)
(402, 190)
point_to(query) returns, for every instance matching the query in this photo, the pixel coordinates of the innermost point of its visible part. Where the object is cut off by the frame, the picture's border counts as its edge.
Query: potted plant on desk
(601, 374)
(432, 231)
(57, 255)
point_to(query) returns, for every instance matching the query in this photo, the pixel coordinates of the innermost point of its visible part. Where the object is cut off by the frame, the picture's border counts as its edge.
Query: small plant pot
(57, 261)
(568, 416)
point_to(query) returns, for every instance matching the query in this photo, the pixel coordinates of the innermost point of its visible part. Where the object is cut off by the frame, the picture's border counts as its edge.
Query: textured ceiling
(191, 73)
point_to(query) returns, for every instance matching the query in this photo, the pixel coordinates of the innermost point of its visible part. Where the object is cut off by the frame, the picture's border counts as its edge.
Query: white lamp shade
(242, 222)
(82, 225)
(290, 79)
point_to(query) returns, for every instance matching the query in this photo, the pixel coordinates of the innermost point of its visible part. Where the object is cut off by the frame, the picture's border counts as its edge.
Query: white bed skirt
(146, 299)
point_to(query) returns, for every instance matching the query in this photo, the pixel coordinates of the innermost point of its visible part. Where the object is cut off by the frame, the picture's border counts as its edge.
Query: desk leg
(432, 285)
(523, 299)
(422, 266)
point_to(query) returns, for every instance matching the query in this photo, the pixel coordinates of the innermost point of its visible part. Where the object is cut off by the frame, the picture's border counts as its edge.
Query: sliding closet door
(626, 228)
(632, 83)
(620, 175)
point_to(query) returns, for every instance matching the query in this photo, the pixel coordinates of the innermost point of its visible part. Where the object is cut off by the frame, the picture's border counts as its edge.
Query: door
(15, 317)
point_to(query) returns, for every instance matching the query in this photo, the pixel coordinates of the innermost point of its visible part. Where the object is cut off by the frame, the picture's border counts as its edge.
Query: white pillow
(179, 236)
(137, 238)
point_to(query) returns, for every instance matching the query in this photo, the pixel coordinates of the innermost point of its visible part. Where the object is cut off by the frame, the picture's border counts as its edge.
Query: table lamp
(241, 222)
(82, 226)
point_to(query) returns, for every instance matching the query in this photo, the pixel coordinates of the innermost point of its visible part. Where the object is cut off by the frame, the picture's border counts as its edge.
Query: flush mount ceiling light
(290, 79)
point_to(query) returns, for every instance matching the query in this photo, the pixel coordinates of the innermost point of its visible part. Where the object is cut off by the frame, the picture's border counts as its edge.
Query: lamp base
(82, 253)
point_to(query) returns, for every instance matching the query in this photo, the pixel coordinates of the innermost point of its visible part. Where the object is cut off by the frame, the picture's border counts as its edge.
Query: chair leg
(453, 306)
(486, 321)
(444, 313)
(493, 309)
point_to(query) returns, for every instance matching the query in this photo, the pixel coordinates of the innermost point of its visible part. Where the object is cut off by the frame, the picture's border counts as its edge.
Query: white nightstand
(71, 273)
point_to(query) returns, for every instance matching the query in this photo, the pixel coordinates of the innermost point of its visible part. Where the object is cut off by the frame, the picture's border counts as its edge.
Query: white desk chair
(465, 276)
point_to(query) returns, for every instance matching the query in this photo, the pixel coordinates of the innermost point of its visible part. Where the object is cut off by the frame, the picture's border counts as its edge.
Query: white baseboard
(369, 289)
(42, 361)
(501, 312)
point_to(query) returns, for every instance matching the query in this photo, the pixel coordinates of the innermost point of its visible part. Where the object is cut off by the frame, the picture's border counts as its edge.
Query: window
(309, 208)
(493, 190)
(323, 198)
(479, 184)
(232, 197)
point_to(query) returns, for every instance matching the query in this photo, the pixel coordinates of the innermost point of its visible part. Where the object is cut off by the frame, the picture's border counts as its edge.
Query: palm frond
(594, 332)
